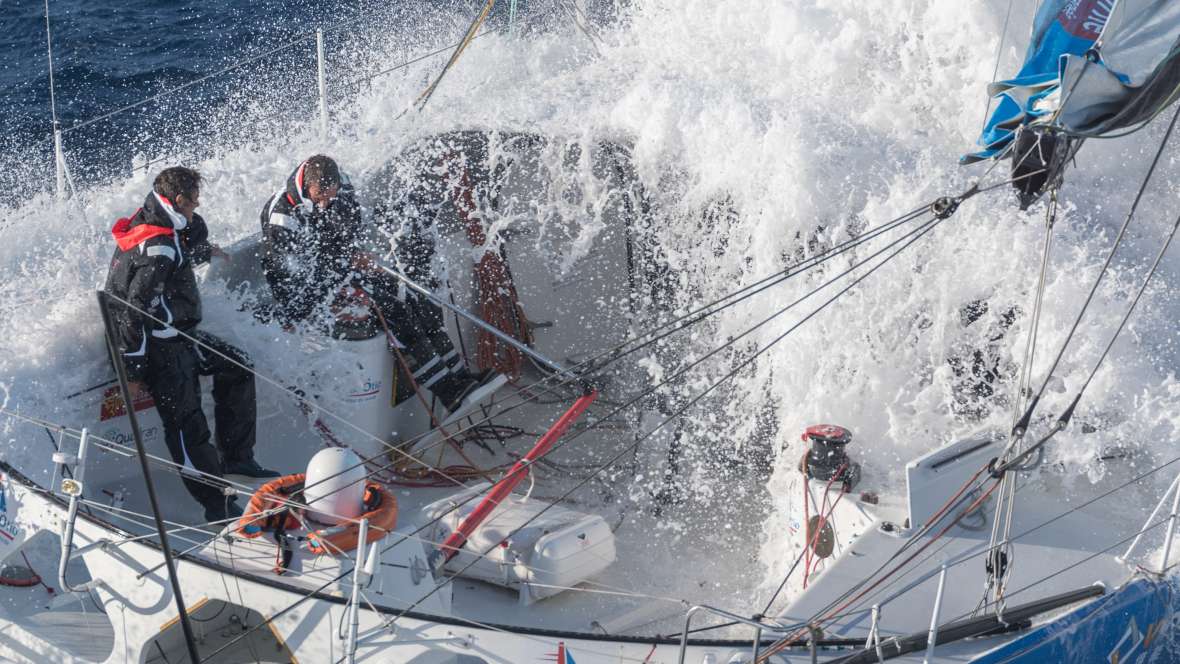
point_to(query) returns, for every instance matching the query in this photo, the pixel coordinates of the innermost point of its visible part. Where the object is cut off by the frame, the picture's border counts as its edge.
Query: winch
(827, 457)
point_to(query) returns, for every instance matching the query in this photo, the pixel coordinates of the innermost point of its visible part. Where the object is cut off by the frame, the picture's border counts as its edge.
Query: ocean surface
(759, 128)
(109, 56)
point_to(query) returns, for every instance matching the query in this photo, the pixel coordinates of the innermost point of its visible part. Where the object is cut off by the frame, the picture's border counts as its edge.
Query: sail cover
(1061, 28)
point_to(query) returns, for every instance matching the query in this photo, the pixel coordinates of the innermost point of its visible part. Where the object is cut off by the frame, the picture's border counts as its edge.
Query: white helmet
(334, 487)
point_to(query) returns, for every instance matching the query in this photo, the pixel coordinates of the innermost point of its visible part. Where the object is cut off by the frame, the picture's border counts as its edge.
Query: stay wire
(996, 69)
(1076, 508)
(303, 37)
(1022, 424)
(648, 392)
(668, 380)
(852, 611)
(1001, 569)
(731, 299)
(751, 290)
(606, 465)
(733, 372)
(1065, 417)
(424, 98)
(49, 49)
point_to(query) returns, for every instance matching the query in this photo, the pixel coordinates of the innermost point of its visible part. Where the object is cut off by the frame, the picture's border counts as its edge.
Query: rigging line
(996, 68)
(368, 77)
(139, 520)
(1065, 417)
(1022, 425)
(733, 372)
(171, 466)
(785, 641)
(184, 86)
(512, 18)
(817, 260)
(695, 316)
(1005, 505)
(1038, 306)
(809, 543)
(1023, 534)
(1063, 570)
(387, 624)
(1013, 180)
(636, 399)
(590, 37)
(586, 19)
(1052, 520)
(280, 386)
(963, 495)
(241, 596)
(128, 514)
(424, 98)
(390, 464)
(823, 258)
(125, 450)
(302, 399)
(1131, 309)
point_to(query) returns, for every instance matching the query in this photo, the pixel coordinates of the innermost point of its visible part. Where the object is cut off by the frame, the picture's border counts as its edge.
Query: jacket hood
(159, 211)
(156, 217)
(294, 192)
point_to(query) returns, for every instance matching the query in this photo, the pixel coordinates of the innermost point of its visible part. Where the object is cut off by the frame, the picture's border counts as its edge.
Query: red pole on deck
(514, 477)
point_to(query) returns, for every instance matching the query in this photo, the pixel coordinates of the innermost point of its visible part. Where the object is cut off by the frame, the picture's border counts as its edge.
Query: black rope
(1022, 425)
(696, 399)
(1065, 417)
(687, 319)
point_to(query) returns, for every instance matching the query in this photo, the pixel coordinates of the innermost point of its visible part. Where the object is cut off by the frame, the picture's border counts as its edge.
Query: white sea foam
(791, 122)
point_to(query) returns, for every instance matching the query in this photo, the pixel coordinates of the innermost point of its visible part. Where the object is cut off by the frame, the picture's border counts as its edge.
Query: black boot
(249, 468)
(453, 388)
(221, 511)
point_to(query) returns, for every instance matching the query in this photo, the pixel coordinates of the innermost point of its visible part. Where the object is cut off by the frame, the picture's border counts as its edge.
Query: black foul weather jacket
(152, 269)
(307, 252)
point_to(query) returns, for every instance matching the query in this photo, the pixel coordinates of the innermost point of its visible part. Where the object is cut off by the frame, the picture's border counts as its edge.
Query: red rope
(786, 641)
(499, 303)
(813, 537)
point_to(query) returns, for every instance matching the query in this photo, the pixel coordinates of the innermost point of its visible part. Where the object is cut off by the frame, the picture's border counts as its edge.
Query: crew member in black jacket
(152, 269)
(311, 236)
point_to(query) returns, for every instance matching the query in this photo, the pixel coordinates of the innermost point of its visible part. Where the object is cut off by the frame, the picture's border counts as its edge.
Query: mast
(125, 390)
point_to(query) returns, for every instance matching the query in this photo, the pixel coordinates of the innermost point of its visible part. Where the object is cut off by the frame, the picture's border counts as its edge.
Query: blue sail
(1061, 28)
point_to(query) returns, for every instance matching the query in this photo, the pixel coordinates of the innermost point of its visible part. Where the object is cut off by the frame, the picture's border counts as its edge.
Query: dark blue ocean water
(109, 54)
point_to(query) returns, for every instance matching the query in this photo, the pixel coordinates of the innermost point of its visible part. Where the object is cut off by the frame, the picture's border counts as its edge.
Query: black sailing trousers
(417, 323)
(173, 379)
